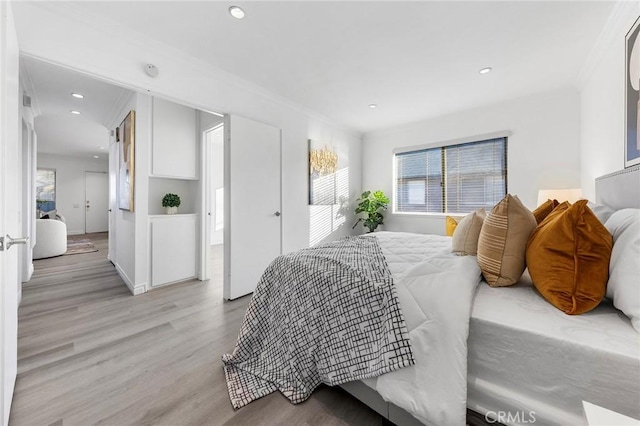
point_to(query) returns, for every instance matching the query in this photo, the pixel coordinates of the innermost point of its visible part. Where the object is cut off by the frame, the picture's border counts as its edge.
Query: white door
(252, 228)
(10, 207)
(96, 202)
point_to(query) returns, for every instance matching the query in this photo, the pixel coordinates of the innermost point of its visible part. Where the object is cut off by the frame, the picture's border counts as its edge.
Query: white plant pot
(171, 210)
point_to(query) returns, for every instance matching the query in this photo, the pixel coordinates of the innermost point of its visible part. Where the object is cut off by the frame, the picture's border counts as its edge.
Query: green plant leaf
(170, 200)
(372, 203)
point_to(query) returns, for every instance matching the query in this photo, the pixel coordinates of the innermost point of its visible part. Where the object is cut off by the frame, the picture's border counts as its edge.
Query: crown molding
(111, 120)
(613, 31)
(155, 49)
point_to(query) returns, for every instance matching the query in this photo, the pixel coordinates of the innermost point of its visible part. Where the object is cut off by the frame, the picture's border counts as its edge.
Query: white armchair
(51, 238)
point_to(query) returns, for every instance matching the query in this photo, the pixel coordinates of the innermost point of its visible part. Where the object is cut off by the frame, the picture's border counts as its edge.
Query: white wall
(125, 223)
(119, 57)
(543, 150)
(70, 185)
(602, 100)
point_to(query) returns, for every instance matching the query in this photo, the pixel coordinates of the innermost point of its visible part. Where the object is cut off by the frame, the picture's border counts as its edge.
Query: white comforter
(435, 290)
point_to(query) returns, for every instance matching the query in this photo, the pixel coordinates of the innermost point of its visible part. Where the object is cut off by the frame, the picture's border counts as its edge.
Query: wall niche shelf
(185, 189)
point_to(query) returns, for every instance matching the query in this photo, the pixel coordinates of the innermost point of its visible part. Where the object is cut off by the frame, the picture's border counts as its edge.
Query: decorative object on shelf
(323, 167)
(171, 202)
(125, 135)
(632, 96)
(373, 203)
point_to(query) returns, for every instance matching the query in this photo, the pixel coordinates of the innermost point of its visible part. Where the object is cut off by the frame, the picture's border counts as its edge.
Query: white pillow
(601, 211)
(466, 234)
(624, 268)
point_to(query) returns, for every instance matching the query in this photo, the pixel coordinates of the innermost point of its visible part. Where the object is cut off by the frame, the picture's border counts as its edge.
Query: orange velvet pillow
(544, 209)
(568, 258)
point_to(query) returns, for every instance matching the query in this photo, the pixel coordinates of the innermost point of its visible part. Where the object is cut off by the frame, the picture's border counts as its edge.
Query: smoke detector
(151, 70)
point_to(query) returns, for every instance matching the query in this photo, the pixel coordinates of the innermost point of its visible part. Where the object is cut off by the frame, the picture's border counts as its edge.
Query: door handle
(277, 214)
(11, 241)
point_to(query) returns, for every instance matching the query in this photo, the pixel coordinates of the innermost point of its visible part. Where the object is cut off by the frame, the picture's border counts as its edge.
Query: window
(45, 190)
(451, 179)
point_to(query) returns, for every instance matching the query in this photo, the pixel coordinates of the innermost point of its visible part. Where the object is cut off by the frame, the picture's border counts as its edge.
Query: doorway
(214, 227)
(96, 217)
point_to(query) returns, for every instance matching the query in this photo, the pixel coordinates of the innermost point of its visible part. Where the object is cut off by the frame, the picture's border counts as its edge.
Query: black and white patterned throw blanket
(327, 314)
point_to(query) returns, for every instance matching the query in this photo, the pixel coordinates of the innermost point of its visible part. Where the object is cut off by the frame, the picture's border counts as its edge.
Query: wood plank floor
(91, 353)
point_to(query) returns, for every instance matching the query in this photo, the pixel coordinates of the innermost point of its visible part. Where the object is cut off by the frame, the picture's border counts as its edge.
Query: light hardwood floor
(90, 353)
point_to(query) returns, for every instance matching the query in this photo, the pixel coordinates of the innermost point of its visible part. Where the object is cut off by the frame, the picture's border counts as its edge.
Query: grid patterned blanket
(327, 314)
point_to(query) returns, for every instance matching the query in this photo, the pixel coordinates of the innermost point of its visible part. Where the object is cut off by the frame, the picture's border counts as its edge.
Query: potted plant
(171, 202)
(372, 203)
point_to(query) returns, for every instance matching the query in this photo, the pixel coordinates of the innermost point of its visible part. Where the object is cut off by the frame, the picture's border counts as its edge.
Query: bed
(525, 358)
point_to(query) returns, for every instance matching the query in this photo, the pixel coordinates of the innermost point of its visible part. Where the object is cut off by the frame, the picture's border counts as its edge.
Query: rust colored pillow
(568, 258)
(503, 242)
(450, 225)
(544, 209)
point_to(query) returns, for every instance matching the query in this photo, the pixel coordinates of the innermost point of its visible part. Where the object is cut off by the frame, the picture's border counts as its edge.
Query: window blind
(419, 180)
(452, 179)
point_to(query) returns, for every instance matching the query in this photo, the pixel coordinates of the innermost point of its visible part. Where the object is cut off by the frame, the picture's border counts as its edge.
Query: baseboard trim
(132, 288)
(29, 273)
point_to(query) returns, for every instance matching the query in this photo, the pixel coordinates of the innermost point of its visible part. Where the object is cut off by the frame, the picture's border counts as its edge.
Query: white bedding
(524, 355)
(435, 290)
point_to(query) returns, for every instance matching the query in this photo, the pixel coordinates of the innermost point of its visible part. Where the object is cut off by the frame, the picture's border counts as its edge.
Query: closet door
(252, 218)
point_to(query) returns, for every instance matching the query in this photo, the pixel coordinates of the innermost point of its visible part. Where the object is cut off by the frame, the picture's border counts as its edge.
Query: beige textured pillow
(465, 236)
(503, 242)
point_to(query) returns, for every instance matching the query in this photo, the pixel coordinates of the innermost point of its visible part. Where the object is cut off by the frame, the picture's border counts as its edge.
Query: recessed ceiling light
(102, 147)
(372, 106)
(73, 111)
(485, 70)
(95, 156)
(77, 95)
(236, 12)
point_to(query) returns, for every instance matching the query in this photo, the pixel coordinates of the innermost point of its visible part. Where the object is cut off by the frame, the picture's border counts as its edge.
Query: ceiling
(414, 59)
(59, 131)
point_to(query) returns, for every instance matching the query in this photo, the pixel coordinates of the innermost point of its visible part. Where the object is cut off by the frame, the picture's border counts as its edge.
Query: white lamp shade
(571, 195)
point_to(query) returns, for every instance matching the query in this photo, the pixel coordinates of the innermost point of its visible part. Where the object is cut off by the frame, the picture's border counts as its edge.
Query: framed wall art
(632, 96)
(323, 165)
(125, 136)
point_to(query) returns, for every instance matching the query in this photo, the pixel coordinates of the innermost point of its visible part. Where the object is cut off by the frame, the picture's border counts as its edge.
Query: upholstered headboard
(620, 189)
